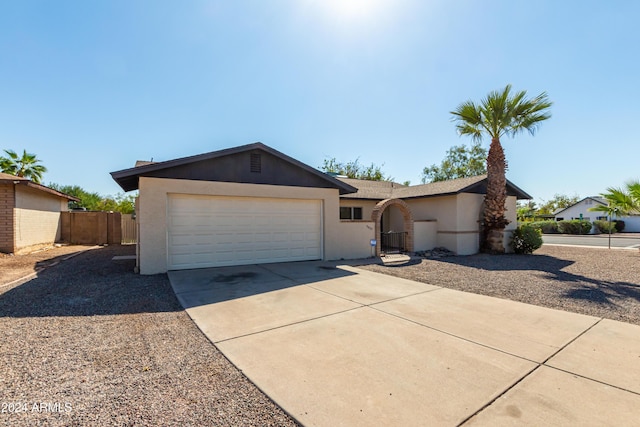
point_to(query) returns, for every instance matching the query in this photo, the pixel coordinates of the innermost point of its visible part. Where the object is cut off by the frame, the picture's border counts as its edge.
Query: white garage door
(213, 231)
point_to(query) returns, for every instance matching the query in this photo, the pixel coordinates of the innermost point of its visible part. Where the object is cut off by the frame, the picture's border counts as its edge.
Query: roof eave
(135, 172)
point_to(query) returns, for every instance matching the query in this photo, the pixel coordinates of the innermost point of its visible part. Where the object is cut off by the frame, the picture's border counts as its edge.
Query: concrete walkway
(343, 346)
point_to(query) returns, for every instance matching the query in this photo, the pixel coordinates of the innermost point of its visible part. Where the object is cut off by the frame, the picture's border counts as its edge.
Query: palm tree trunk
(494, 219)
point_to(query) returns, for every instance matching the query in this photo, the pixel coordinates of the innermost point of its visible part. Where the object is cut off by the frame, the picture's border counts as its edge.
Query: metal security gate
(393, 242)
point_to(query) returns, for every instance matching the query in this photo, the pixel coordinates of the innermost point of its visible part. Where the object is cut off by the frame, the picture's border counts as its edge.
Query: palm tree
(499, 114)
(634, 191)
(621, 201)
(26, 166)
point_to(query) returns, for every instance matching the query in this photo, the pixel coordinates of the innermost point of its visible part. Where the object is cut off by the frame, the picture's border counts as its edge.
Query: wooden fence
(90, 228)
(129, 229)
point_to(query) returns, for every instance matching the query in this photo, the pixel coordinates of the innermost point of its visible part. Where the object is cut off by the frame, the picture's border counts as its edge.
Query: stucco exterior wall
(440, 208)
(355, 239)
(152, 213)
(457, 220)
(425, 235)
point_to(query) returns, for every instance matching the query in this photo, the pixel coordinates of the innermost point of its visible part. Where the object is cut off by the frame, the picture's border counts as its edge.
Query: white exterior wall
(152, 214)
(425, 235)
(631, 223)
(573, 212)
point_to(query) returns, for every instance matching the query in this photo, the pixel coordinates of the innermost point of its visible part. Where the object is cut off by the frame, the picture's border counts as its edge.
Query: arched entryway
(407, 222)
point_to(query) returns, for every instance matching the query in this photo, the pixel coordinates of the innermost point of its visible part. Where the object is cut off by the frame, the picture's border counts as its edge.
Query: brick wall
(35, 229)
(7, 220)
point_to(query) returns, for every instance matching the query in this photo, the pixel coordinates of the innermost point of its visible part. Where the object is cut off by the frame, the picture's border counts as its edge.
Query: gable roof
(6, 178)
(222, 165)
(597, 199)
(388, 190)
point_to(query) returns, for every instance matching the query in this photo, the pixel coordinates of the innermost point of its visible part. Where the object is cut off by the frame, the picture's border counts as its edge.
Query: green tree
(497, 115)
(355, 170)
(92, 201)
(526, 211)
(25, 166)
(460, 162)
(559, 201)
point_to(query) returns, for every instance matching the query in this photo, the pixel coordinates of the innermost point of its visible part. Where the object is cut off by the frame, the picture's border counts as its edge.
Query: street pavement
(620, 240)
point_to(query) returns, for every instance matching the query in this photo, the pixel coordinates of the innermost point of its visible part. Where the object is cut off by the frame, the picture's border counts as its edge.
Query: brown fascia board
(19, 180)
(134, 173)
(31, 184)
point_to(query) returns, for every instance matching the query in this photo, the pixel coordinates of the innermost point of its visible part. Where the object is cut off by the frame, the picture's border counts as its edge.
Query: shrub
(619, 226)
(546, 227)
(603, 226)
(526, 239)
(575, 226)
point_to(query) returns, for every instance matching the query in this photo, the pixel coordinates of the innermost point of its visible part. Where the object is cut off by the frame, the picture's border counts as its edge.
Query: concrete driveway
(336, 345)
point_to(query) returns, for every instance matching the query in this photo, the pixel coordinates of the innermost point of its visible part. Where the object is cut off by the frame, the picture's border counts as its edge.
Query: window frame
(354, 213)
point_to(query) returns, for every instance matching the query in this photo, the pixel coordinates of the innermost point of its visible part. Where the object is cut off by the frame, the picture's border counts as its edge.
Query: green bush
(526, 239)
(619, 225)
(603, 226)
(546, 227)
(575, 226)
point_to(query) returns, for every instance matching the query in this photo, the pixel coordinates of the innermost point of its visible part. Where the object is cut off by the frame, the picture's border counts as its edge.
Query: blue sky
(92, 86)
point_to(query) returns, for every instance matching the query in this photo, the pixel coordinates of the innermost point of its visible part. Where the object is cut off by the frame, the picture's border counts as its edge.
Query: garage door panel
(210, 231)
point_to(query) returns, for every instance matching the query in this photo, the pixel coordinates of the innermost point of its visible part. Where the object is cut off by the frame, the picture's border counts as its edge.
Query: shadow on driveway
(214, 285)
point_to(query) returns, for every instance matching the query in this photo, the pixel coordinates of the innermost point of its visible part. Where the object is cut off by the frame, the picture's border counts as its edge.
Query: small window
(349, 213)
(602, 218)
(345, 213)
(357, 213)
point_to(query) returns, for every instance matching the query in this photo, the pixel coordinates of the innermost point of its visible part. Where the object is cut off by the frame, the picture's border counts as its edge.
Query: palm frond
(619, 200)
(469, 120)
(633, 189)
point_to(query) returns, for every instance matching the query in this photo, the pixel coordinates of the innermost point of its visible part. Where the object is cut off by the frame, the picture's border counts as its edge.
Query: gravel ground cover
(13, 267)
(88, 342)
(597, 282)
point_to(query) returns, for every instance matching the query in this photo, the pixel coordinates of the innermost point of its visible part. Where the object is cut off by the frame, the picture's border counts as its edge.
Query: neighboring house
(29, 214)
(253, 204)
(580, 210)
